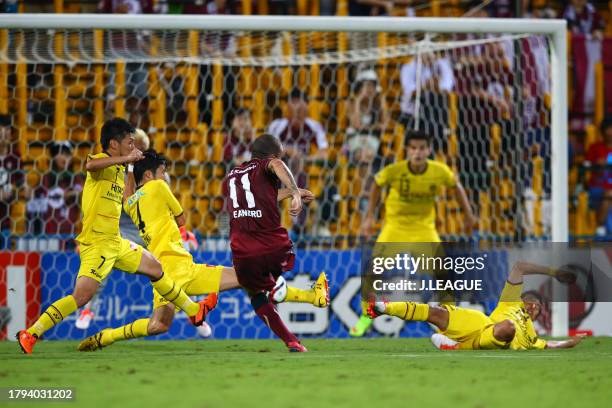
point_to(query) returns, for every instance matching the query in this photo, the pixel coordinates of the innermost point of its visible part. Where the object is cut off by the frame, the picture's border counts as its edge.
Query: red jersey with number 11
(250, 191)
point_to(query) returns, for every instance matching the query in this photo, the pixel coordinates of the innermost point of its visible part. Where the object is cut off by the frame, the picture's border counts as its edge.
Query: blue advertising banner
(125, 297)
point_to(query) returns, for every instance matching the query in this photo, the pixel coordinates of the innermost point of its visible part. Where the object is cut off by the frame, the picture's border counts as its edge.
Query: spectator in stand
(298, 133)
(125, 6)
(10, 176)
(368, 111)
(238, 139)
(599, 159)
(300, 136)
(368, 119)
(582, 18)
(436, 77)
(547, 11)
(61, 191)
(53, 205)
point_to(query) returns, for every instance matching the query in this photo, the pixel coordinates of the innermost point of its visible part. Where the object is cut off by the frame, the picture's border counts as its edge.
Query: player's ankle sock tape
(169, 290)
(408, 310)
(58, 311)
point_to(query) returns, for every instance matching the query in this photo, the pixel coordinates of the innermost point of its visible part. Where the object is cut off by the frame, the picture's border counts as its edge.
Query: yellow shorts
(466, 326)
(100, 257)
(194, 279)
(391, 233)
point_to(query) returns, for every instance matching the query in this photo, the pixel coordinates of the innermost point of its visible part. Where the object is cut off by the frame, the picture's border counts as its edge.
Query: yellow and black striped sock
(58, 311)
(168, 289)
(137, 328)
(408, 310)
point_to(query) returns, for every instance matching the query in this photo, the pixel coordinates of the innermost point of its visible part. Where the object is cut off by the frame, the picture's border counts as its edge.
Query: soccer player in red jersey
(261, 248)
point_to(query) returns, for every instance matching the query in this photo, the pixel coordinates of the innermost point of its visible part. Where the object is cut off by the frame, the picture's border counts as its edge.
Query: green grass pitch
(336, 373)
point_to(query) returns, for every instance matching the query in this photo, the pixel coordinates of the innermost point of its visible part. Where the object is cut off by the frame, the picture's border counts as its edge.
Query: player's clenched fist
(296, 204)
(306, 195)
(134, 156)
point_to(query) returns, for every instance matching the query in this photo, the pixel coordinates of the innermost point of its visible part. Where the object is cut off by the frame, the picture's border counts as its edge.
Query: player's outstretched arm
(522, 268)
(130, 183)
(283, 173)
(565, 344)
(469, 219)
(104, 162)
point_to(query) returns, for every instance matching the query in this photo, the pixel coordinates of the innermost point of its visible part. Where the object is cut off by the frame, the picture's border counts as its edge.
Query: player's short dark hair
(233, 115)
(297, 93)
(115, 129)
(151, 161)
(265, 146)
(532, 295)
(417, 135)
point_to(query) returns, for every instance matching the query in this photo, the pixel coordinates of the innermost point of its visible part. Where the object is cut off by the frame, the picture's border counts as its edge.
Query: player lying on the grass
(410, 204)
(509, 326)
(261, 248)
(161, 223)
(101, 246)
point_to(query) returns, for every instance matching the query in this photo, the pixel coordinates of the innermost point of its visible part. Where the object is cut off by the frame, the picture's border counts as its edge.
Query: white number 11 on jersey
(246, 186)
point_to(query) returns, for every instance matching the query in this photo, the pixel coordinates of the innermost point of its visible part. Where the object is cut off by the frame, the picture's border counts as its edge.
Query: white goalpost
(268, 55)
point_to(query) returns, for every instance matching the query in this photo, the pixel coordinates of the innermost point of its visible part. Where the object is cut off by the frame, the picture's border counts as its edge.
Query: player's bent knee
(82, 299)
(504, 331)
(150, 266)
(84, 290)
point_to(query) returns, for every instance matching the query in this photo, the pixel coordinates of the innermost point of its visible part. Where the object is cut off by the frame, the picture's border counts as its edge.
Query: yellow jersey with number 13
(101, 202)
(153, 209)
(410, 202)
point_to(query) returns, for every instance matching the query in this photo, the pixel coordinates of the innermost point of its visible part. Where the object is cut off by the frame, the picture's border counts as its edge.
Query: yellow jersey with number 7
(101, 202)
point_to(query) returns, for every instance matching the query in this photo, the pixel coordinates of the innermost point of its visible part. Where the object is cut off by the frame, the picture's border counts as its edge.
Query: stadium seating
(68, 104)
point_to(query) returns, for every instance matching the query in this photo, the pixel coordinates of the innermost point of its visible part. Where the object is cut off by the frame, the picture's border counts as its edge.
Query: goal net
(340, 100)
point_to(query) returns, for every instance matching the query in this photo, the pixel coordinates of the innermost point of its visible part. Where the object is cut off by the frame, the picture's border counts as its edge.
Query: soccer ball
(279, 293)
(204, 330)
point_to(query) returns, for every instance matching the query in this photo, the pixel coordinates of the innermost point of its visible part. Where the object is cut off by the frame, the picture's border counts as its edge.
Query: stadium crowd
(51, 199)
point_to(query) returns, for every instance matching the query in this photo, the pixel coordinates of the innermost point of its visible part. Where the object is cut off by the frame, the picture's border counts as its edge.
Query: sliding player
(261, 248)
(161, 223)
(510, 326)
(410, 214)
(101, 246)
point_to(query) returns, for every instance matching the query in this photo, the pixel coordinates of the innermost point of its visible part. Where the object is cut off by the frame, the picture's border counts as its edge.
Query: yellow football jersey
(153, 209)
(511, 307)
(410, 202)
(101, 202)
